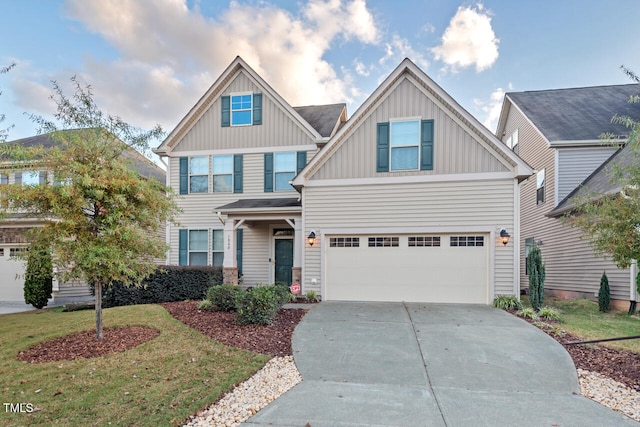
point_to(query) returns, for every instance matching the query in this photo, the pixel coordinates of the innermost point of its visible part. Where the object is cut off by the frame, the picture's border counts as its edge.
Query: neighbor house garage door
(11, 274)
(442, 268)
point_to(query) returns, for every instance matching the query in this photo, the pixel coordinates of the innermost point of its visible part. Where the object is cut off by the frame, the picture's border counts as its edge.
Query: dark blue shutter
(184, 175)
(382, 149)
(239, 250)
(17, 178)
(42, 178)
(237, 173)
(257, 108)
(226, 111)
(301, 161)
(268, 172)
(183, 259)
(426, 146)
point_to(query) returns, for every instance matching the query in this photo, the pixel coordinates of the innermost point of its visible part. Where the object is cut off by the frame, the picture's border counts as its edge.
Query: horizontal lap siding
(576, 164)
(455, 149)
(436, 204)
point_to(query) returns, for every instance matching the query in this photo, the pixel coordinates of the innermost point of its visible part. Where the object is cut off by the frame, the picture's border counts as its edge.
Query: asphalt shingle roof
(578, 114)
(322, 118)
(262, 203)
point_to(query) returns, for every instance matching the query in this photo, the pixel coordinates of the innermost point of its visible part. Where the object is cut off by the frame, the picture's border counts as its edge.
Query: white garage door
(442, 268)
(11, 274)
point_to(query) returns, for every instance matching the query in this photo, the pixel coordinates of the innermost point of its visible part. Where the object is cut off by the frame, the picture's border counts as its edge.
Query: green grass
(580, 317)
(161, 382)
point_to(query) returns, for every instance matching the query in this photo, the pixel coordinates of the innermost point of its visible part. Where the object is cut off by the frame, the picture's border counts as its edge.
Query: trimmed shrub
(507, 302)
(258, 305)
(536, 277)
(169, 283)
(604, 294)
(283, 293)
(223, 297)
(38, 281)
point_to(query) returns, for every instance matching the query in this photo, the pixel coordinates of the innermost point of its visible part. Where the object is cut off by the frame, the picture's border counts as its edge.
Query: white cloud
(491, 109)
(399, 48)
(170, 54)
(360, 68)
(469, 40)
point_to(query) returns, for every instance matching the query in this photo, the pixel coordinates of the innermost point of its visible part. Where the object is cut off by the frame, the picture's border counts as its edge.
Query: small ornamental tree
(604, 294)
(38, 280)
(536, 278)
(101, 218)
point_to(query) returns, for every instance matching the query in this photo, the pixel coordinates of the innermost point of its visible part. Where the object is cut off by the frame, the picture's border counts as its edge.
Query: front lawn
(581, 318)
(160, 382)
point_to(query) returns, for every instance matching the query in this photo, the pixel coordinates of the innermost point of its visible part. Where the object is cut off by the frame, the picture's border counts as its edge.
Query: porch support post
(298, 239)
(229, 265)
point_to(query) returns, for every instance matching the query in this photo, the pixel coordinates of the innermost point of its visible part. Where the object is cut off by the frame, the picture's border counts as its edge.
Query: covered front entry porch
(263, 241)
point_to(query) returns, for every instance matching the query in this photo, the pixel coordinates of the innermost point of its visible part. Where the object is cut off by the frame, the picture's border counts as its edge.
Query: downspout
(633, 293)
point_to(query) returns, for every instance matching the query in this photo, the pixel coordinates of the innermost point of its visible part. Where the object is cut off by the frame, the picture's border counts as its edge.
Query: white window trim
(231, 95)
(417, 145)
(214, 174)
(295, 166)
(208, 174)
(189, 251)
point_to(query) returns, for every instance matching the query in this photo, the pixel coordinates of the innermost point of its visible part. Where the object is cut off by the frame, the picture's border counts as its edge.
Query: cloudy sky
(149, 61)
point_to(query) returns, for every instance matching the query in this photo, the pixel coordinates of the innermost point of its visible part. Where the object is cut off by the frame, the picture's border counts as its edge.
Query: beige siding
(458, 205)
(277, 129)
(576, 164)
(457, 149)
(570, 263)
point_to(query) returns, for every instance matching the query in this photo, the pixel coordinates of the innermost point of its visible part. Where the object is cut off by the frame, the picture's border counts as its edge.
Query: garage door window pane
(344, 242)
(380, 242)
(424, 241)
(466, 241)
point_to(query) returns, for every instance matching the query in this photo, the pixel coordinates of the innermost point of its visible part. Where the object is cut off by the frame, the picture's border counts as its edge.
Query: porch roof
(262, 206)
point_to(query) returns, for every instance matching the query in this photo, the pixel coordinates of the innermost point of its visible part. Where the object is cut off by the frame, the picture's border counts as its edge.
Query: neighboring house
(558, 132)
(405, 201)
(14, 227)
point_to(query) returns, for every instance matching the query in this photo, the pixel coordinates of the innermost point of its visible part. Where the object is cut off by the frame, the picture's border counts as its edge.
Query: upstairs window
(199, 174)
(540, 180)
(405, 144)
(512, 141)
(284, 169)
(4, 178)
(222, 174)
(241, 109)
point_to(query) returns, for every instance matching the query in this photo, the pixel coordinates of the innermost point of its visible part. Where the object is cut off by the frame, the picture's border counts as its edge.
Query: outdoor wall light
(312, 238)
(504, 236)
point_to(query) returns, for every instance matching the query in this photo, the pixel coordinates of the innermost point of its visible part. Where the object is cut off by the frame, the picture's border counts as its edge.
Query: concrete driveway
(395, 364)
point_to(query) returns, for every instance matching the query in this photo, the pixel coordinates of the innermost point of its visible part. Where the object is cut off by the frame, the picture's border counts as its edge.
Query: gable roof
(407, 67)
(570, 116)
(324, 118)
(143, 166)
(599, 183)
(215, 91)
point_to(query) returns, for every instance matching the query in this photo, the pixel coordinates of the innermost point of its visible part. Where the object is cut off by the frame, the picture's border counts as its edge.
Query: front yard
(160, 382)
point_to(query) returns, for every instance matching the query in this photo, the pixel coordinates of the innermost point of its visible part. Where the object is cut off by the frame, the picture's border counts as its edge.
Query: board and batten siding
(576, 164)
(570, 262)
(445, 204)
(277, 128)
(456, 148)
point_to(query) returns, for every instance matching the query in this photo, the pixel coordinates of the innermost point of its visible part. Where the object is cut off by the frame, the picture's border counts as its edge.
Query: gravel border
(610, 393)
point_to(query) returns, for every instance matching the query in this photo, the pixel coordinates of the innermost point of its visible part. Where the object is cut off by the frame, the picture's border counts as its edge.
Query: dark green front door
(284, 260)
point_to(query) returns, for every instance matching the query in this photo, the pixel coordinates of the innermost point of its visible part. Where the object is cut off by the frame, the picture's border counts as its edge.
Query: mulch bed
(622, 366)
(273, 339)
(86, 345)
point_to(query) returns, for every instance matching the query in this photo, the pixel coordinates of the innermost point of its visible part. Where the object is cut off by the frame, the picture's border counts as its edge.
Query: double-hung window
(540, 187)
(199, 174)
(284, 169)
(241, 109)
(405, 145)
(4, 178)
(223, 174)
(218, 247)
(198, 247)
(32, 178)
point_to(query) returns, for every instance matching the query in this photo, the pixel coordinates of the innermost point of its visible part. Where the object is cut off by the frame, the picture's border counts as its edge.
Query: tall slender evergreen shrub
(604, 294)
(536, 278)
(38, 280)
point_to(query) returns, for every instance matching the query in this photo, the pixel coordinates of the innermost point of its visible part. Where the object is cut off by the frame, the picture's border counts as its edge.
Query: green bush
(169, 283)
(38, 282)
(536, 277)
(507, 302)
(223, 297)
(312, 296)
(528, 313)
(283, 293)
(206, 305)
(258, 305)
(549, 313)
(604, 294)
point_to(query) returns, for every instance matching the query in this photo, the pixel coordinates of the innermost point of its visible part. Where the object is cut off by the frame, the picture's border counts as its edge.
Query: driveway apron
(411, 364)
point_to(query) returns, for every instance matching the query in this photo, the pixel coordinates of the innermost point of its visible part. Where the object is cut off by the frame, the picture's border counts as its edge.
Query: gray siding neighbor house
(558, 132)
(403, 201)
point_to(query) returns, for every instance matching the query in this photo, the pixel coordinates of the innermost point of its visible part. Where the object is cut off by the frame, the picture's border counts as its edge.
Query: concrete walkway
(394, 364)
